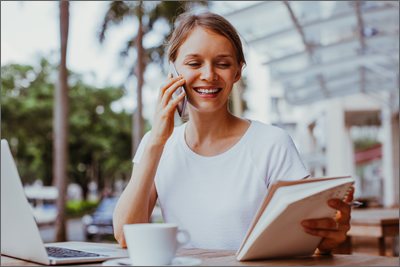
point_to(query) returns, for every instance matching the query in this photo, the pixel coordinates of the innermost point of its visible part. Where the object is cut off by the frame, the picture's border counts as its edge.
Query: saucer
(177, 261)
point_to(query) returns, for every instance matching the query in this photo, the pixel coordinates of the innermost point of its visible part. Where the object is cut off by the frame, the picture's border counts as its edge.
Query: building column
(237, 106)
(395, 153)
(351, 166)
(337, 152)
(390, 159)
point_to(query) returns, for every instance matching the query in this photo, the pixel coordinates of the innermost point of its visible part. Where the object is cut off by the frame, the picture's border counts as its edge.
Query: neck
(209, 126)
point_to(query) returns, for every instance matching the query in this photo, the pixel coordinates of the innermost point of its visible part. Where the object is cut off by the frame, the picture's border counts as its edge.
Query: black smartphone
(182, 104)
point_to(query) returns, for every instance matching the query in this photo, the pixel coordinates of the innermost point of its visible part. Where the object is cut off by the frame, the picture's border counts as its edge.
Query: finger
(167, 85)
(350, 195)
(335, 235)
(343, 214)
(173, 103)
(341, 206)
(326, 224)
(342, 218)
(322, 224)
(168, 93)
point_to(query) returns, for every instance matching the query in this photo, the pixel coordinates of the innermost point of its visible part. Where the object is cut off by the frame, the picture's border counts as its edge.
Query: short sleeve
(140, 149)
(286, 162)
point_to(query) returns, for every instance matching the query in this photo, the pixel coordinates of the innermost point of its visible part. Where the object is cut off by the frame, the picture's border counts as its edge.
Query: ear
(239, 72)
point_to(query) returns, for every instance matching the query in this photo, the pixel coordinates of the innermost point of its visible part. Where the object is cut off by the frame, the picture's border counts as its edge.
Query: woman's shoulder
(268, 133)
(265, 139)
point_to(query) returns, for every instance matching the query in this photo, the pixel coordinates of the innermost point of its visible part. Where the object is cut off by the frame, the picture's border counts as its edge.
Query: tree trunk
(48, 157)
(139, 71)
(95, 172)
(61, 127)
(85, 191)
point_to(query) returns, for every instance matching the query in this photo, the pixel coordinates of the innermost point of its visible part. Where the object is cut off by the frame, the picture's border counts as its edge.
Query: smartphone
(182, 104)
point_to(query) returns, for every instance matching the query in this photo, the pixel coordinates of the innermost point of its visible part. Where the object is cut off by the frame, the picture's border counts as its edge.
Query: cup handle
(186, 240)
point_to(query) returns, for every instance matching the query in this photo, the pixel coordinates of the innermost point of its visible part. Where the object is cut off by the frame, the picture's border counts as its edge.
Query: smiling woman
(211, 173)
(209, 71)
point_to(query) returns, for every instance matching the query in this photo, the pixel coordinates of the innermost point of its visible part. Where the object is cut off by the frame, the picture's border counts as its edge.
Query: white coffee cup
(153, 243)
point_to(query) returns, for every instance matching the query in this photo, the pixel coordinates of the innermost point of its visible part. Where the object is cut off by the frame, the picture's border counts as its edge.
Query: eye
(194, 64)
(225, 65)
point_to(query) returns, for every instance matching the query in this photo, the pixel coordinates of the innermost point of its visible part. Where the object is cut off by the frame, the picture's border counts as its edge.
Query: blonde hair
(207, 20)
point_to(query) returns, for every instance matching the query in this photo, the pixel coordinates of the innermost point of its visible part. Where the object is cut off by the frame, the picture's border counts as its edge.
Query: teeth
(207, 91)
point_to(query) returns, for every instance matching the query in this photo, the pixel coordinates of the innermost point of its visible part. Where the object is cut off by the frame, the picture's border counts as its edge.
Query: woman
(211, 173)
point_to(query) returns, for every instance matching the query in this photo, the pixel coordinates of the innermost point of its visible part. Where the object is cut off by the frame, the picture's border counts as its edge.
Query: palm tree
(60, 142)
(154, 11)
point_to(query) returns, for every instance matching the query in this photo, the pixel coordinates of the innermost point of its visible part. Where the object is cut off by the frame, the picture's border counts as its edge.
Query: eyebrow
(220, 55)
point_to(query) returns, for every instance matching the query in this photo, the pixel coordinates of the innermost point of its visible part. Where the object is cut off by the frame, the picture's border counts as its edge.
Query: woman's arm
(139, 197)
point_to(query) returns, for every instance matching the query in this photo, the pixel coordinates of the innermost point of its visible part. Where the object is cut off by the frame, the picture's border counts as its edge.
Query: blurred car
(99, 225)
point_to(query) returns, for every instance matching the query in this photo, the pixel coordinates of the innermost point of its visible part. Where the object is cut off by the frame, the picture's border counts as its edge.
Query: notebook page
(284, 196)
(270, 193)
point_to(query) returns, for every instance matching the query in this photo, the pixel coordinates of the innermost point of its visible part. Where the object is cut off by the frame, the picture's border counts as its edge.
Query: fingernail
(306, 223)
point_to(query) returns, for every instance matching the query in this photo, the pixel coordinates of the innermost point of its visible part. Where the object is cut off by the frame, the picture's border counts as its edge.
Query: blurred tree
(60, 122)
(98, 136)
(147, 13)
(26, 97)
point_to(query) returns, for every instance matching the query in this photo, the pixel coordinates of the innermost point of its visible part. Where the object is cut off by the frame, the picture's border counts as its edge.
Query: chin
(206, 107)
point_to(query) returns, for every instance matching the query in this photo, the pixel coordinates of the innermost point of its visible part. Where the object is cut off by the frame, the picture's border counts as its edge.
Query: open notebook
(276, 230)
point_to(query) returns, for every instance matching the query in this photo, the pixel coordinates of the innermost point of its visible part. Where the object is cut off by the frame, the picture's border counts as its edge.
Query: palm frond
(152, 12)
(129, 45)
(133, 71)
(168, 10)
(116, 13)
(155, 54)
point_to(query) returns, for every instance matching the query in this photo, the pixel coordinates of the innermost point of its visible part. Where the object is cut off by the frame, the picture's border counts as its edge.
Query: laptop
(20, 237)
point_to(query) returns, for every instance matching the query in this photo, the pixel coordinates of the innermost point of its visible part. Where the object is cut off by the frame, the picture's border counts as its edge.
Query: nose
(208, 74)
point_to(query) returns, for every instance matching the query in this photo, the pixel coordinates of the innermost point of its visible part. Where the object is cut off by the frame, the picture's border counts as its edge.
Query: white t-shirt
(215, 198)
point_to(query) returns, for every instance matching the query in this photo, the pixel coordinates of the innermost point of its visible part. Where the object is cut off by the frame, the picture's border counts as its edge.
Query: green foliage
(158, 221)
(99, 139)
(153, 12)
(166, 11)
(76, 209)
(27, 107)
(365, 143)
(110, 238)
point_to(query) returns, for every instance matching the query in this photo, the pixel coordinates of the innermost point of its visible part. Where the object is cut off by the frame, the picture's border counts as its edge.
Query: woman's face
(208, 62)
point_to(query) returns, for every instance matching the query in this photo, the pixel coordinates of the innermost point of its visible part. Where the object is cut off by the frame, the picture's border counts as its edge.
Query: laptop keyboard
(59, 252)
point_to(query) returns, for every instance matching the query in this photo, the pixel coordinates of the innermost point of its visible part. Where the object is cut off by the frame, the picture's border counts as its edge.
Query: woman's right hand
(163, 123)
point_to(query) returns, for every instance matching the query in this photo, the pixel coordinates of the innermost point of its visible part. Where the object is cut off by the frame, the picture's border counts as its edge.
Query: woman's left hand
(334, 231)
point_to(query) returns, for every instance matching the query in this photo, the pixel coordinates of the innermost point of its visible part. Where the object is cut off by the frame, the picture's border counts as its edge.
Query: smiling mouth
(207, 91)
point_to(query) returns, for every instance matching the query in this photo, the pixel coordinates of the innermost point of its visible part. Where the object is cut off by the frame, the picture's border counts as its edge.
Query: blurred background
(79, 84)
